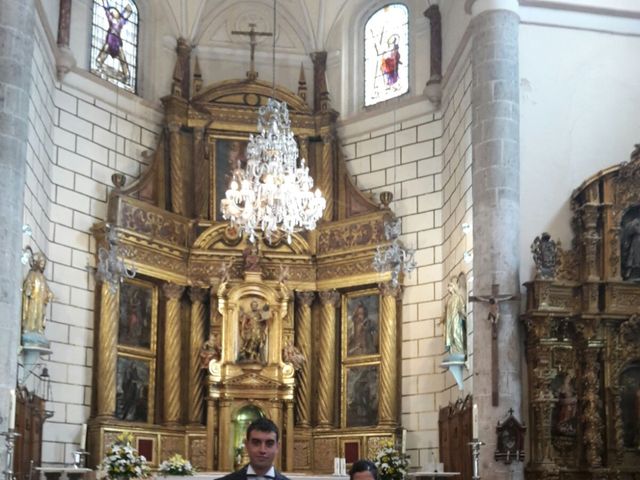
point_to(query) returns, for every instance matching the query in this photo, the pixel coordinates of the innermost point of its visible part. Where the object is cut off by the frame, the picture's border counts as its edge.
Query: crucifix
(494, 318)
(252, 74)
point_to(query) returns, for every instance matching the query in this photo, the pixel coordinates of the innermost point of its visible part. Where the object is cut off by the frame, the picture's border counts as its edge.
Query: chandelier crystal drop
(394, 258)
(272, 194)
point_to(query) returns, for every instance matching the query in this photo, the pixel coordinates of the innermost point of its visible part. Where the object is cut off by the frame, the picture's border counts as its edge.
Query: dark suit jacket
(242, 475)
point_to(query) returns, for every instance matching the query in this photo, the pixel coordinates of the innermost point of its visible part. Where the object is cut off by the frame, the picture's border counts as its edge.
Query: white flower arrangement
(122, 460)
(391, 464)
(176, 465)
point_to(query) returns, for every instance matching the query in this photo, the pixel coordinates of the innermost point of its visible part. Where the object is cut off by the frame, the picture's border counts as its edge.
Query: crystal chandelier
(273, 193)
(394, 258)
(111, 268)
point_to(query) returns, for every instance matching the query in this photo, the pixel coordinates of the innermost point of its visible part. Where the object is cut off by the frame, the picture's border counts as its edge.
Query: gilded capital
(387, 289)
(329, 297)
(305, 298)
(172, 291)
(198, 295)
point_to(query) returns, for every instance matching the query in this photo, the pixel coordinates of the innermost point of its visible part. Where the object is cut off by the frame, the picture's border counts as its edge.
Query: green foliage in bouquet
(176, 465)
(122, 460)
(391, 464)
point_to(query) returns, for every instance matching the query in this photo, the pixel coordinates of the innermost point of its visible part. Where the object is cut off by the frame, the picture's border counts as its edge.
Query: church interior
(409, 225)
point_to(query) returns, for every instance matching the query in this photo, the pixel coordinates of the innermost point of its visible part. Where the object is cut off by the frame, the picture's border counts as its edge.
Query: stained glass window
(114, 42)
(386, 61)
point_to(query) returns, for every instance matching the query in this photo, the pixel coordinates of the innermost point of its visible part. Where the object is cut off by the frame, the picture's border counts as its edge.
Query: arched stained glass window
(386, 61)
(114, 42)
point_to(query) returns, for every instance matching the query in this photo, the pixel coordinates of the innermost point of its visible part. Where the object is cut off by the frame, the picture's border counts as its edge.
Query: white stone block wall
(76, 142)
(401, 151)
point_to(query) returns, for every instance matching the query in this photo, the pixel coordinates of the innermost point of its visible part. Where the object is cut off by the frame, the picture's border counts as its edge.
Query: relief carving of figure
(211, 350)
(545, 255)
(630, 249)
(36, 295)
(567, 407)
(291, 354)
(253, 332)
(455, 321)
(251, 256)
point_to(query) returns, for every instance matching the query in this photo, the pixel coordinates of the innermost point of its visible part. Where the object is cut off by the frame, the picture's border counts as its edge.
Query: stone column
(16, 32)
(433, 89)
(65, 60)
(496, 210)
(107, 353)
(326, 358)
(303, 343)
(319, 60)
(388, 403)
(196, 339)
(172, 354)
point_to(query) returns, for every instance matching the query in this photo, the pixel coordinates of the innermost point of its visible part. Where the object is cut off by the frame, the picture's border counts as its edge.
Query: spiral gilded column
(303, 343)
(200, 175)
(172, 353)
(196, 339)
(177, 170)
(326, 357)
(388, 396)
(107, 352)
(326, 176)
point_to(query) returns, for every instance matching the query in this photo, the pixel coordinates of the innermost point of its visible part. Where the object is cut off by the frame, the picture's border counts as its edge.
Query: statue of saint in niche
(252, 328)
(455, 321)
(36, 295)
(630, 246)
(567, 407)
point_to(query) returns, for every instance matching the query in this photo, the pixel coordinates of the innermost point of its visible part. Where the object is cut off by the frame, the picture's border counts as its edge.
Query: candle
(83, 437)
(343, 466)
(475, 421)
(12, 409)
(403, 443)
(336, 466)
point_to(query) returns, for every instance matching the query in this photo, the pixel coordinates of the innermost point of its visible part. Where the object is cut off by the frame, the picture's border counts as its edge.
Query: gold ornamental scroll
(326, 357)
(177, 171)
(172, 353)
(303, 343)
(388, 398)
(326, 178)
(196, 339)
(107, 352)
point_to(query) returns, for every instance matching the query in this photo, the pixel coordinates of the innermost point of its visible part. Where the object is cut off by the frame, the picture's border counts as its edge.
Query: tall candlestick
(83, 437)
(12, 409)
(475, 422)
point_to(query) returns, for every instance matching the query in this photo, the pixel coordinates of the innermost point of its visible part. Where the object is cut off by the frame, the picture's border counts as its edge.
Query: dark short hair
(263, 424)
(363, 466)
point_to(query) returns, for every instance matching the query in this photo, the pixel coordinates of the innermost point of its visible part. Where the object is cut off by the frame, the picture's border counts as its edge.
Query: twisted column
(591, 403)
(326, 357)
(303, 343)
(196, 337)
(107, 352)
(388, 397)
(326, 176)
(200, 175)
(172, 353)
(177, 168)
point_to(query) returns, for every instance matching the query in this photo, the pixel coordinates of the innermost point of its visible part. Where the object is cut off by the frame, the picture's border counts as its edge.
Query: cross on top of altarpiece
(253, 42)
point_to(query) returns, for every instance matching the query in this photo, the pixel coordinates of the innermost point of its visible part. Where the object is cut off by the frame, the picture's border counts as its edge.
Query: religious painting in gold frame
(229, 153)
(135, 388)
(361, 324)
(137, 316)
(360, 395)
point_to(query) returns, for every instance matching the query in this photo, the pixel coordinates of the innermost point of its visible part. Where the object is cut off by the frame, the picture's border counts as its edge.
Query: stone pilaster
(16, 32)
(172, 354)
(303, 343)
(388, 402)
(196, 339)
(496, 209)
(326, 358)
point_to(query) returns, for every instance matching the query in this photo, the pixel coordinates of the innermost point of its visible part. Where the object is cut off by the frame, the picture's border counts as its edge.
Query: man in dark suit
(262, 444)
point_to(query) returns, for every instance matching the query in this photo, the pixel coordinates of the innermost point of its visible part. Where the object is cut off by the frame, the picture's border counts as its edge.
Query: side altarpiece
(583, 337)
(215, 331)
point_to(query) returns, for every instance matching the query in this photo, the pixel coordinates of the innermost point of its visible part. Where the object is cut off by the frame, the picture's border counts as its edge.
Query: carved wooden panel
(454, 427)
(302, 455)
(325, 450)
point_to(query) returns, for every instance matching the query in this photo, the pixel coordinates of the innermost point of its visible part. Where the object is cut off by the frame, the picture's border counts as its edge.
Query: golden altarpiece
(583, 337)
(214, 331)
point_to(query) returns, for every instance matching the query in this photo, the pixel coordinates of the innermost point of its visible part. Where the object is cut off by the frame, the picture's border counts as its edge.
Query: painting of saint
(132, 389)
(362, 396)
(630, 406)
(137, 302)
(363, 332)
(230, 160)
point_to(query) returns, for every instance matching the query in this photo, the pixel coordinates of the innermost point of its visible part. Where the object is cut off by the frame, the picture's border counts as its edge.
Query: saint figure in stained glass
(386, 54)
(113, 43)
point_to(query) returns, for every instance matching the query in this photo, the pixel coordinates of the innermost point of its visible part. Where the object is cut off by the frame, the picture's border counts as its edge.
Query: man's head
(262, 444)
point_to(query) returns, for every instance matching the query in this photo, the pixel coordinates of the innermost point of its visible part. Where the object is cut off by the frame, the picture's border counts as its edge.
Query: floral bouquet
(122, 460)
(176, 465)
(391, 464)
